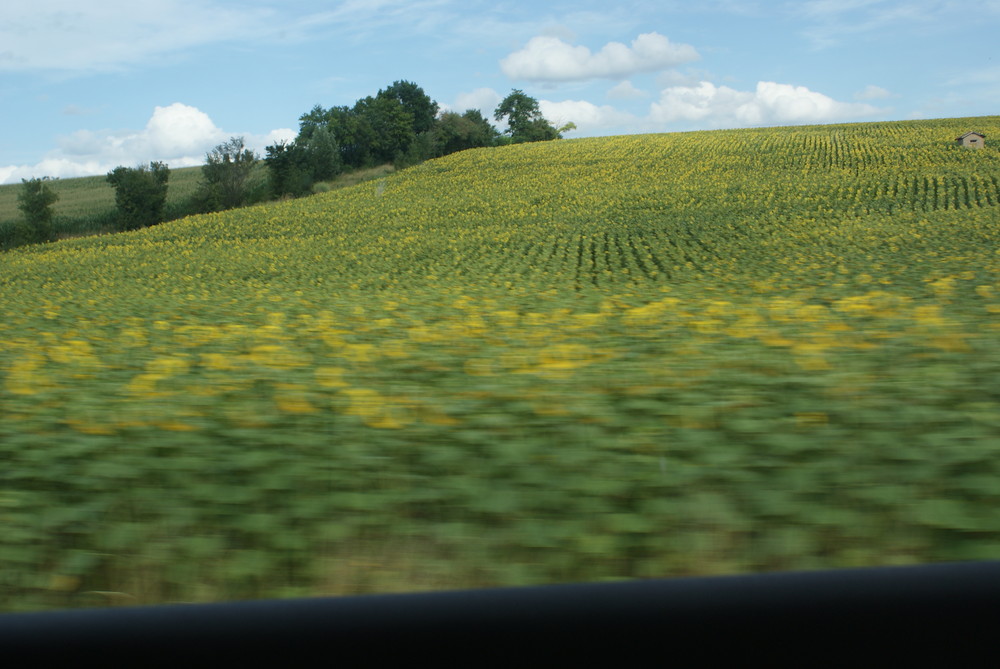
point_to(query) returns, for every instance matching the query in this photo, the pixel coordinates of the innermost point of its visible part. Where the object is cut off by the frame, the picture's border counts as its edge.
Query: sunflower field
(609, 358)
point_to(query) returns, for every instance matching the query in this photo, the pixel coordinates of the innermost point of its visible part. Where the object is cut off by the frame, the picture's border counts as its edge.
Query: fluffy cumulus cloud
(483, 99)
(174, 134)
(588, 117)
(178, 134)
(771, 103)
(550, 59)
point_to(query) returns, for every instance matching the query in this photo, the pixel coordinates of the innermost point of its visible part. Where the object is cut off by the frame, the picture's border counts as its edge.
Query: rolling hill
(622, 357)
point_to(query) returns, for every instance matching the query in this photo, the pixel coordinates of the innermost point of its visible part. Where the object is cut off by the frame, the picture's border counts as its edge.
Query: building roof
(978, 134)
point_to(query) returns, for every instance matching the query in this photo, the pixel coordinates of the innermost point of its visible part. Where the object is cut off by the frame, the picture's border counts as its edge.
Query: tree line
(400, 124)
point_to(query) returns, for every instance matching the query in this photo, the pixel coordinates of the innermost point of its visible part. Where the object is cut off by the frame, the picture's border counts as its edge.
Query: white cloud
(178, 134)
(625, 91)
(585, 115)
(259, 142)
(693, 103)
(178, 130)
(871, 92)
(173, 134)
(483, 99)
(771, 103)
(51, 167)
(550, 59)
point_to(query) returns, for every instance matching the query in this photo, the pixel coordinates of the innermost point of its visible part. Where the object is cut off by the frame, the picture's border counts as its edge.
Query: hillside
(89, 197)
(623, 357)
(86, 205)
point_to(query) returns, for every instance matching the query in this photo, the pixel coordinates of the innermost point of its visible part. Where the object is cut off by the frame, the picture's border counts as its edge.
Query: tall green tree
(352, 133)
(35, 201)
(140, 194)
(457, 132)
(287, 169)
(390, 125)
(226, 176)
(422, 109)
(317, 117)
(293, 167)
(376, 129)
(485, 134)
(525, 122)
(322, 154)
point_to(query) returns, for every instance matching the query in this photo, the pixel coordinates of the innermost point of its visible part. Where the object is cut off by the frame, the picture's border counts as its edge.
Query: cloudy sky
(85, 87)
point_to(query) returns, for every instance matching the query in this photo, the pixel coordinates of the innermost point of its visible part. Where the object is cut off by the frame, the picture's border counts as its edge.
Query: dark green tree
(322, 154)
(35, 201)
(140, 194)
(422, 109)
(293, 167)
(457, 132)
(352, 133)
(288, 170)
(227, 176)
(423, 147)
(451, 132)
(377, 129)
(525, 122)
(486, 134)
(315, 118)
(390, 127)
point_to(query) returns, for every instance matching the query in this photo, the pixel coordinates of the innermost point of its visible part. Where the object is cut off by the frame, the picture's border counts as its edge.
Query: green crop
(627, 357)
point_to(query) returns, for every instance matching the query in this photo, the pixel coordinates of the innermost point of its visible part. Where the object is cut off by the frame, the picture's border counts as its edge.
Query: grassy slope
(93, 196)
(598, 358)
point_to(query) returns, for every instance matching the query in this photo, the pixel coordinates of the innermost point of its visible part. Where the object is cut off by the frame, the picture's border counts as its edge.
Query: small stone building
(971, 140)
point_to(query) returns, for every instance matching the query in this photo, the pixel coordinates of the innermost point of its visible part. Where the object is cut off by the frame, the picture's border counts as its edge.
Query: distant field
(86, 197)
(581, 360)
(84, 202)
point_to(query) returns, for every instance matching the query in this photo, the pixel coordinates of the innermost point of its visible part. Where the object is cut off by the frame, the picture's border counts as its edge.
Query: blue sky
(85, 87)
